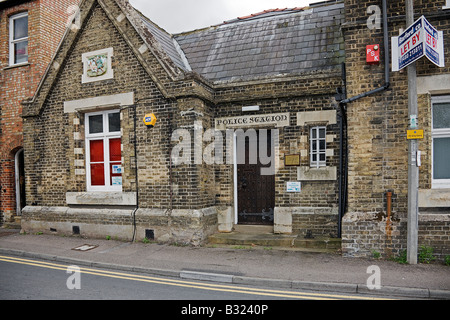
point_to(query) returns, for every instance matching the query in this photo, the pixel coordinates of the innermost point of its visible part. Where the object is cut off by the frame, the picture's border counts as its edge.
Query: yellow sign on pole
(415, 134)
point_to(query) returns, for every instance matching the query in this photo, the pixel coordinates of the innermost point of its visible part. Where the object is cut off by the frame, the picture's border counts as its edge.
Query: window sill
(314, 174)
(25, 64)
(101, 198)
(440, 184)
(434, 198)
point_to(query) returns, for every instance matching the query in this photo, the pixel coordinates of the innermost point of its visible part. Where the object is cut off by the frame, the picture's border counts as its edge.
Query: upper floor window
(441, 142)
(18, 39)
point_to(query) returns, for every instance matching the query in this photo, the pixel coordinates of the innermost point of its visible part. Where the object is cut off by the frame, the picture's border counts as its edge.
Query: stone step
(269, 239)
(15, 223)
(253, 229)
(249, 239)
(11, 225)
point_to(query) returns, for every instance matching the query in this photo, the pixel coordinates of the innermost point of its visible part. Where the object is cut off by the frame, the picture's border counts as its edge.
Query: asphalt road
(31, 279)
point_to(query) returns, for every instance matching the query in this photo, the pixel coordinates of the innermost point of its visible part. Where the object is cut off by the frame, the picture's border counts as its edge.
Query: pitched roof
(263, 45)
(167, 43)
(270, 43)
(265, 13)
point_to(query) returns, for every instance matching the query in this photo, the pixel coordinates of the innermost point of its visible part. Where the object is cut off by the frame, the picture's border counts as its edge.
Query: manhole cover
(85, 247)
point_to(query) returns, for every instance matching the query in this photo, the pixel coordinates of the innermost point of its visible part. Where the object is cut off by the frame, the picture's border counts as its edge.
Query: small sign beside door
(294, 186)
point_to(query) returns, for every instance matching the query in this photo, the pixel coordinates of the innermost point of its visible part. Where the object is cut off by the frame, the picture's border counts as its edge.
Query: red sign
(373, 54)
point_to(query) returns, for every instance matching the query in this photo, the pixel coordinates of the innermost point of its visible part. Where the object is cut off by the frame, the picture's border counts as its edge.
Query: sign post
(412, 42)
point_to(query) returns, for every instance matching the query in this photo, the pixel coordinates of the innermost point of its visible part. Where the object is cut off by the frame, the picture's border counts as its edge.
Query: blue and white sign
(431, 42)
(294, 186)
(420, 39)
(117, 169)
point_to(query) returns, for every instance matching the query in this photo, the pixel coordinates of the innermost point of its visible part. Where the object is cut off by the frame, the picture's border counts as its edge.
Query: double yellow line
(186, 284)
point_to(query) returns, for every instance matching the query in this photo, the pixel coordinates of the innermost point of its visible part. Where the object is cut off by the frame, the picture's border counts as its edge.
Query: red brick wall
(47, 20)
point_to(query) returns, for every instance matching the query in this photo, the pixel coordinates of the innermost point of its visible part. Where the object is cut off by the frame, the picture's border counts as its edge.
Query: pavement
(259, 266)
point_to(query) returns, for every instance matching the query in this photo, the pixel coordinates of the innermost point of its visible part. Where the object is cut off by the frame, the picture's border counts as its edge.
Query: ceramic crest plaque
(97, 65)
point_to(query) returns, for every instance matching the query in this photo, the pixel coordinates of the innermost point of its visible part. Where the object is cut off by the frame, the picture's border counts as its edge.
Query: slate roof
(276, 42)
(167, 43)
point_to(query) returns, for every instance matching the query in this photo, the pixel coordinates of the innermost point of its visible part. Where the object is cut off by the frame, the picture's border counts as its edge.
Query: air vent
(76, 230)
(150, 234)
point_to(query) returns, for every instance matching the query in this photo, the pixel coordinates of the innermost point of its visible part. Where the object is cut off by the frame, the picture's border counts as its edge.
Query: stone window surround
(447, 5)
(316, 118)
(91, 105)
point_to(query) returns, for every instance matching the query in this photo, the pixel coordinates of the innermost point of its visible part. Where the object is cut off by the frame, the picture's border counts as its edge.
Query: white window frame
(438, 133)
(447, 5)
(317, 164)
(106, 136)
(13, 42)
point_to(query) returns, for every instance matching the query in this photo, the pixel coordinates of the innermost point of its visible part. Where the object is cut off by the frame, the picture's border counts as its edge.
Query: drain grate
(85, 247)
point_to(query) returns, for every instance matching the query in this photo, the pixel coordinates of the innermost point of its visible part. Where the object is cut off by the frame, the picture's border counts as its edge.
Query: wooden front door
(256, 192)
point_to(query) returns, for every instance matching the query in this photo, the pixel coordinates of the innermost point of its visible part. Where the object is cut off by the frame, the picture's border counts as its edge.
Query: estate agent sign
(420, 39)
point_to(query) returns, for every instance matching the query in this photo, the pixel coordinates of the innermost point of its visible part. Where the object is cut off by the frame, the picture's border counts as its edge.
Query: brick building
(309, 163)
(30, 32)
(272, 75)
(378, 145)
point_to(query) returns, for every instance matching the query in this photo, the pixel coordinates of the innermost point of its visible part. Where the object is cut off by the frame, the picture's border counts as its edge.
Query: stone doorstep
(297, 242)
(15, 224)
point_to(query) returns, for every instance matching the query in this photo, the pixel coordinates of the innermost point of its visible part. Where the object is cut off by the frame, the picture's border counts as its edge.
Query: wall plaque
(97, 65)
(292, 160)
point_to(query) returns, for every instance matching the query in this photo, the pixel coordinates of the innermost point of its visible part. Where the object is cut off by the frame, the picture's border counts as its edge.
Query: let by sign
(420, 39)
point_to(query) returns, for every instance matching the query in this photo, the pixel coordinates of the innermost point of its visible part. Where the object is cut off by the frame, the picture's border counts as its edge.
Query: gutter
(343, 109)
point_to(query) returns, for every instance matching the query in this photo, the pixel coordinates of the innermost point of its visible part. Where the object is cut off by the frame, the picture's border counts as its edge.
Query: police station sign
(420, 39)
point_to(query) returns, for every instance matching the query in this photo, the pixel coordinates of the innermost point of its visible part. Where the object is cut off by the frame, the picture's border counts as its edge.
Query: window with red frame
(104, 155)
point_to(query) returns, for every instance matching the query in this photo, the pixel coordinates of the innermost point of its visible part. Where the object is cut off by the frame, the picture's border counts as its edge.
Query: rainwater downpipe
(136, 166)
(342, 179)
(343, 107)
(133, 213)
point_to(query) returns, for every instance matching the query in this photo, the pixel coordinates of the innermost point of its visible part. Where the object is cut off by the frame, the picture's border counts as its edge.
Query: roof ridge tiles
(254, 15)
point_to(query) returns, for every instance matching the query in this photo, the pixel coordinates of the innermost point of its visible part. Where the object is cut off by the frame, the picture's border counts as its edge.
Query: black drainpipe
(343, 109)
(342, 94)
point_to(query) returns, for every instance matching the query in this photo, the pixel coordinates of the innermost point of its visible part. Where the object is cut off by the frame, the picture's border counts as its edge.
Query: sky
(176, 16)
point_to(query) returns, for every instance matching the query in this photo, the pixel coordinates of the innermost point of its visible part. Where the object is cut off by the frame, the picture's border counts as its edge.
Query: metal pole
(413, 169)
